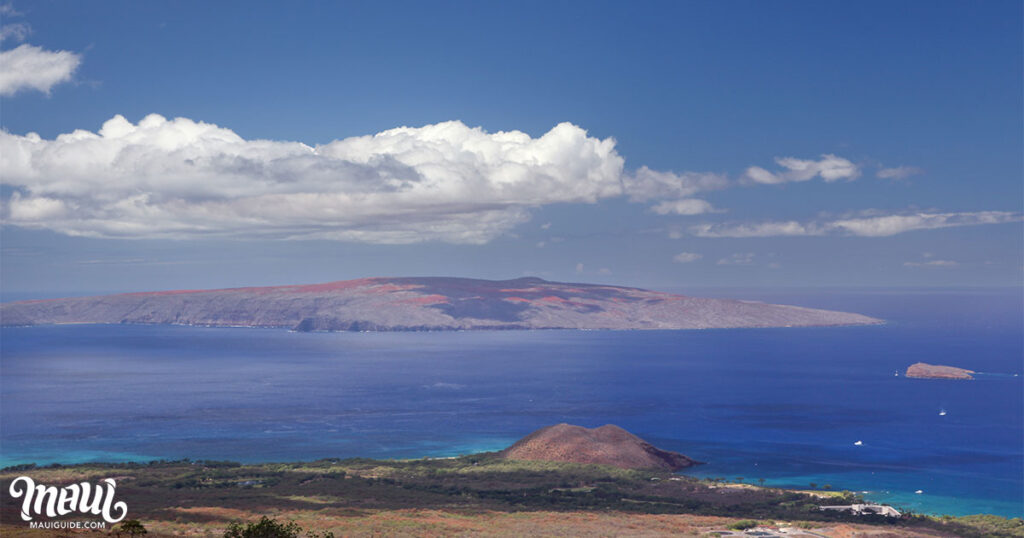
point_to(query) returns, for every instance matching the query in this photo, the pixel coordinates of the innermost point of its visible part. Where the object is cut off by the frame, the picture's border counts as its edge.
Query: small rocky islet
(923, 370)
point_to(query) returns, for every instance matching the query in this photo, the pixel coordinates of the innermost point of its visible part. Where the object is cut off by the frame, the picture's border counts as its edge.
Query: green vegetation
(744, 524)
(216, 493)
(983, 526)
(131, 527)
(482, 481)
(270, 528)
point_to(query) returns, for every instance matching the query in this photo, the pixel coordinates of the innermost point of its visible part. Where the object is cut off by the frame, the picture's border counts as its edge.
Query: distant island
(923, 370)
(607, 445)
(423, 303)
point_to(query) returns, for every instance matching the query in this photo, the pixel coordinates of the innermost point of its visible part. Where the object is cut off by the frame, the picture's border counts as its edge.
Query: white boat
(859, 443)
(942, 412)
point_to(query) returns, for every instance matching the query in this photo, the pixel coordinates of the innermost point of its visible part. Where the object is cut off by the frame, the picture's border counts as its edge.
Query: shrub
(270, 528)
(743, 525)
(131, 527)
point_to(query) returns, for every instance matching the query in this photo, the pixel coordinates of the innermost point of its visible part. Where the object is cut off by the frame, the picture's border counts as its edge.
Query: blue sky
(704, 144)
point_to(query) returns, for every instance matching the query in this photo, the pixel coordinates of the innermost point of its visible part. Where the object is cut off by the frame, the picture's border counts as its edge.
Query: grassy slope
(475, 495)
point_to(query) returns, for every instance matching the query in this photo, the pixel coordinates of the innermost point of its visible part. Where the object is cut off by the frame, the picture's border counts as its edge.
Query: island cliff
(922, 370)
(431, 303)
(607, 445)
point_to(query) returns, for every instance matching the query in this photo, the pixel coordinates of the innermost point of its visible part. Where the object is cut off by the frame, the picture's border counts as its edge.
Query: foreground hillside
(478, 495)
(405, 304)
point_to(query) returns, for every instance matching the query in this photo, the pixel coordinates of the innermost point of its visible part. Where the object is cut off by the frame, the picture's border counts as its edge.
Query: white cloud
(579, 267)
(448, 182)
(36, 209)
(899, 172)
(646, 184)
(932, 263)
(761, 229)
(182, 179)
(829, 168)
(17, 31)
(867, 226)
(687, 257)
(894, 224)
(29, 67)
(604, 271)
(674, 189)
(687, 206)
(740, 258)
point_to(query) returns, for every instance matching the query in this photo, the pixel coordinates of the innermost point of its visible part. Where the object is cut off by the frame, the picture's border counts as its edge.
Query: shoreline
(826, 491)
(360, 496)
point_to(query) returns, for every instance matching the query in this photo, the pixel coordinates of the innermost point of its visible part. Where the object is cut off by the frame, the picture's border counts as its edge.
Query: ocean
(785, 405)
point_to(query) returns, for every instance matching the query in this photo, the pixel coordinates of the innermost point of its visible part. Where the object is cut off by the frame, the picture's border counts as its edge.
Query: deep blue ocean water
(785, 405)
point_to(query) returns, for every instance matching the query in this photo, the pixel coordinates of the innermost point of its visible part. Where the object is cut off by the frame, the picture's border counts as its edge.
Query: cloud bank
(182, 178)
(864, 226)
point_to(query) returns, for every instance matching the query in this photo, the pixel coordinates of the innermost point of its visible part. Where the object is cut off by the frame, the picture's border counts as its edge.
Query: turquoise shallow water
(785, 405)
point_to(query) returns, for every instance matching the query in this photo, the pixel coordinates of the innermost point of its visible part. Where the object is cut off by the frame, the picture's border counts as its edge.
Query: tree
(270, 528)
(761, 481)
(814, 485)
(133, 527)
